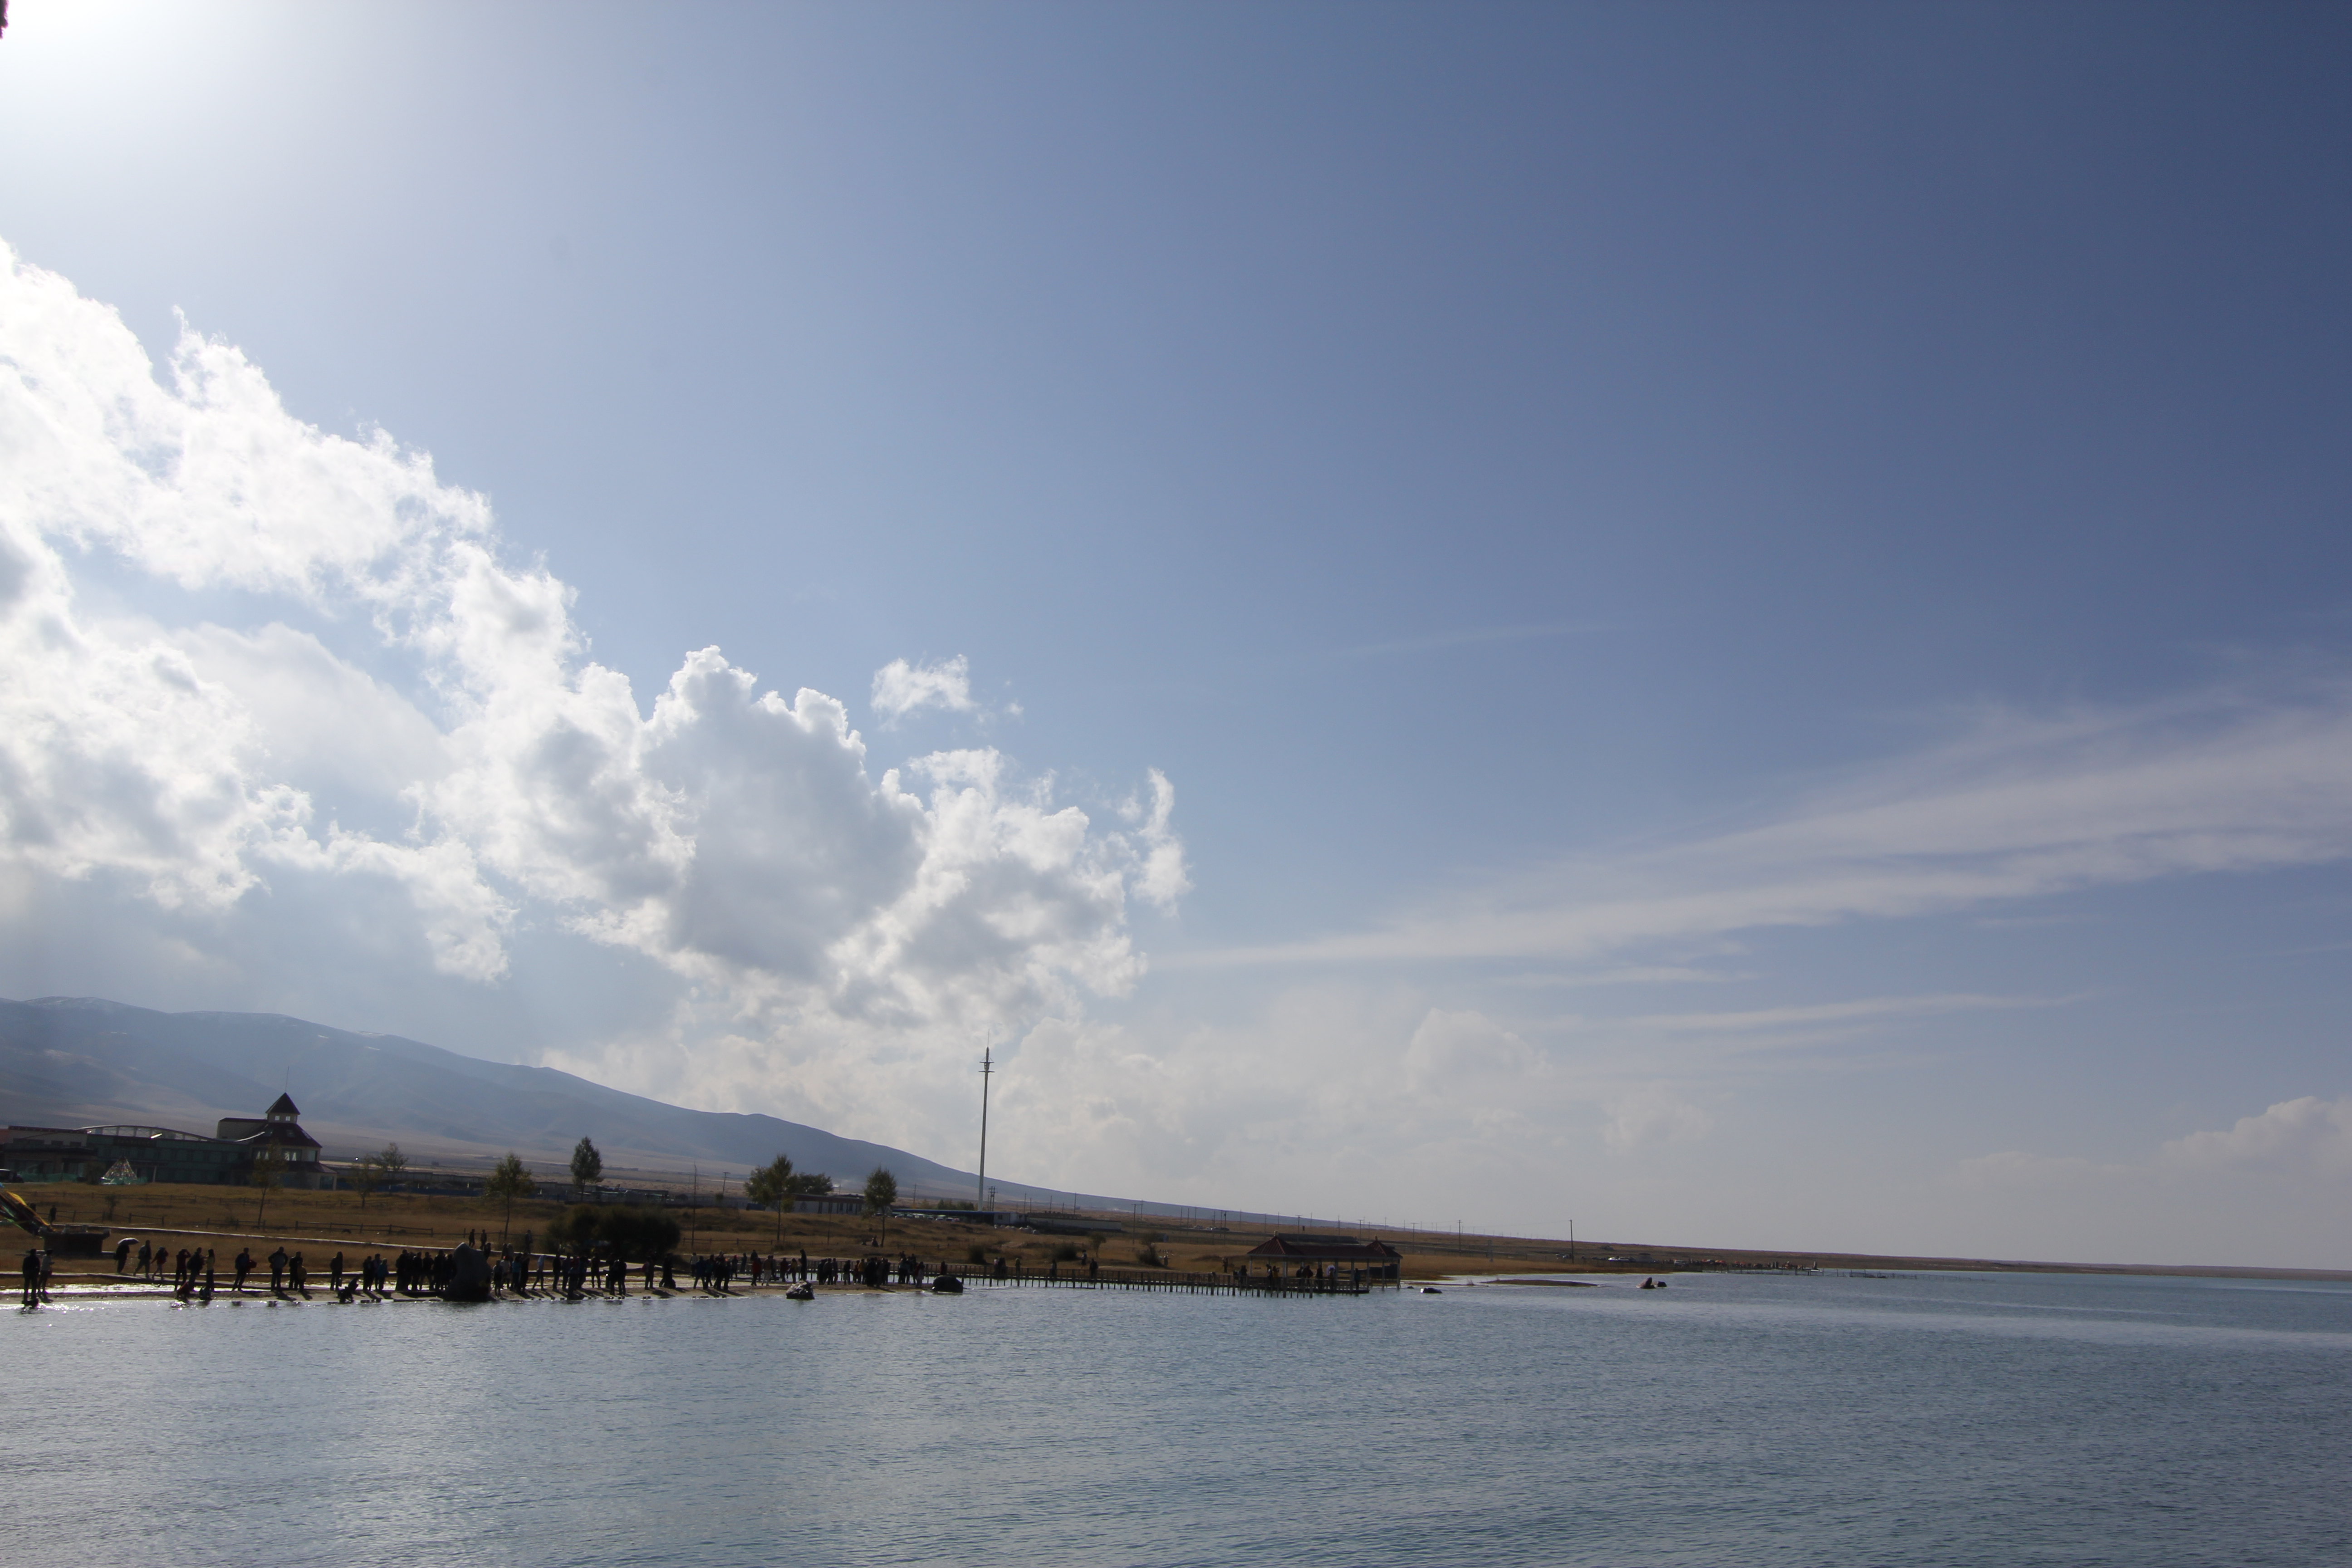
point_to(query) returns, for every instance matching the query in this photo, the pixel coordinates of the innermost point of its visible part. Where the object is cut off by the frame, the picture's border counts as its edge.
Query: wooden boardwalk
(1195, 1284)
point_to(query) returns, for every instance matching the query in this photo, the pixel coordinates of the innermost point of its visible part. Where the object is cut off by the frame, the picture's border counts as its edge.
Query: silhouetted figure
(277, 1272)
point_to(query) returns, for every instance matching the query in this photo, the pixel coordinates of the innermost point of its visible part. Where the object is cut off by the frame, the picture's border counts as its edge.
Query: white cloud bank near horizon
(471, 756)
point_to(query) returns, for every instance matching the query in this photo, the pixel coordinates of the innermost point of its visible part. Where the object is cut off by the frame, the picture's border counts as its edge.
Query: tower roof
(282, 1106)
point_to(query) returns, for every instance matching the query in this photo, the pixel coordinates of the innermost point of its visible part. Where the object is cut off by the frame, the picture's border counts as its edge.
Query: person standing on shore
(277, 1272)
(33, 1276)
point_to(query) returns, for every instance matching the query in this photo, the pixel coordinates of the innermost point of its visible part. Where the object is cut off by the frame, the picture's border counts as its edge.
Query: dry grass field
(320, 1224)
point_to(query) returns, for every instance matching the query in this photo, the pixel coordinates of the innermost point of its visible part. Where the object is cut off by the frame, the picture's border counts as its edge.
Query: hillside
(80, 1061)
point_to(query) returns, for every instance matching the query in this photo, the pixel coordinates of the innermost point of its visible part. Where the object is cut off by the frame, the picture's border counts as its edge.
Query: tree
(508, 1182)
(641, 1235)
(587, 1167)
(269, 1174)
(392, 1161)
(881, 1192)
(366, 1174)
(637, 1235)
(815, 1184)
(772, 1183)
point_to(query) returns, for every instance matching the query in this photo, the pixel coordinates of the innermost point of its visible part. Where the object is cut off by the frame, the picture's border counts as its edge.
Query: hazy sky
(1734, 622)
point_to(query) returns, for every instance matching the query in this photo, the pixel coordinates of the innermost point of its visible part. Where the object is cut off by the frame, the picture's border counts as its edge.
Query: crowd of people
(715, 1274)
(523, 1271)
(193, 1272)
(518, 1270)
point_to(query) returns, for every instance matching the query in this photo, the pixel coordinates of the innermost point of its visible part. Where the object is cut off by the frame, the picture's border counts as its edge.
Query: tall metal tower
(987, 1067)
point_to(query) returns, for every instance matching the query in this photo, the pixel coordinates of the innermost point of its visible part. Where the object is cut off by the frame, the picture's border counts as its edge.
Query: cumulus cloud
(415, 707)
(2305, 1134)
(900, 687)
(2294, 1140)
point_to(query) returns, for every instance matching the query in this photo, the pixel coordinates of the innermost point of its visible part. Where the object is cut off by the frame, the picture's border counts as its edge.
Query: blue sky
(1740, 613)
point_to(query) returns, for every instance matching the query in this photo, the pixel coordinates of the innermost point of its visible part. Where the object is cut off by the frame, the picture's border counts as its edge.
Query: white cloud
(2015, 1170)
(2017, 807)
(1160, 878)
(488, 770)
(1832, 1016)
(330, 728)
(1654, 1113)
(2291, 1140)
(2305, 1134)
(900, 687)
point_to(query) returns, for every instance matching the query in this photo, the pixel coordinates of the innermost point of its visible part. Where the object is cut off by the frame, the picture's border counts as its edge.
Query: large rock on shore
(469, 1274)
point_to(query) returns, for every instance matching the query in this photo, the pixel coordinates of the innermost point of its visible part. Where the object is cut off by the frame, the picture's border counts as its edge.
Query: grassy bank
(318, 1224)
(228, 1217)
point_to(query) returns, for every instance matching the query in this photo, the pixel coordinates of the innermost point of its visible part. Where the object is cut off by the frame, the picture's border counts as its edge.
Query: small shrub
(1066, 1252)
(1148, 1255)
(976, 1255)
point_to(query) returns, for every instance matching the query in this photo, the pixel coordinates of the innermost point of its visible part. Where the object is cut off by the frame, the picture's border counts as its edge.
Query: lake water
(1940, 1419)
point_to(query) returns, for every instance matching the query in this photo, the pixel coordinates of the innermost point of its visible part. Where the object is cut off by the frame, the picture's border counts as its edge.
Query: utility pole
(987, 1069)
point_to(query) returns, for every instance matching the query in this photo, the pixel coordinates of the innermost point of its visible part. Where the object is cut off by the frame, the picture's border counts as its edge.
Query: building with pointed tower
(280, 1129)
(165, 1154)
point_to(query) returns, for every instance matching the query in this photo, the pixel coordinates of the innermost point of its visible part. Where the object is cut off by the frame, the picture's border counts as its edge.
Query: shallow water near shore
(1932, 1419)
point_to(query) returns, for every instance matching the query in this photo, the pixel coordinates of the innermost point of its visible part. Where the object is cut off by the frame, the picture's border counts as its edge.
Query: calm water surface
(1942, 1419)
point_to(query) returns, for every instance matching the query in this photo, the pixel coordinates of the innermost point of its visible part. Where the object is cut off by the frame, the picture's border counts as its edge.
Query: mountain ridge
(85, 1061)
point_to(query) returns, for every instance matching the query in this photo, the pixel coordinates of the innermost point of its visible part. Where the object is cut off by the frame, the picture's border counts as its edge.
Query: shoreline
(223, 1218)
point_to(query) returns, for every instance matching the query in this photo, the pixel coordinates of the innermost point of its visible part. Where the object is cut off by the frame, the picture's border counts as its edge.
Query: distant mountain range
(78, 1061)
